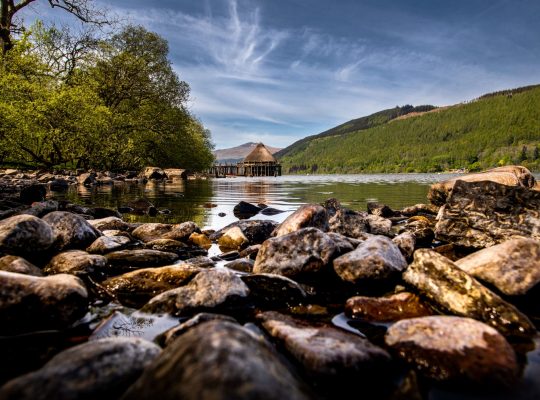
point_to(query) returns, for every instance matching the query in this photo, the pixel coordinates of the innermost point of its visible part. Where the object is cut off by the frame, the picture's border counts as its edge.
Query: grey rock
(406, 243)
(201, 262)
(308, 215)
(379, 225)
(324, 350)
(270, 290)
(343, 243)
(40, 209)
(346, 222)
(482, 214)
(75, 262)
(454, 349)
(169, 336)
(25, 234)
(151, 231)
(241, 265)
(19, 265)
(101, 369)
(217, 360)
(32, 303)
(304, 251)
(126, 259)
(389, 308)
(211, 288)
(513, 266)
(106, 244)
(71, 230)
(376, 258)
(445, 284)
(109, 223)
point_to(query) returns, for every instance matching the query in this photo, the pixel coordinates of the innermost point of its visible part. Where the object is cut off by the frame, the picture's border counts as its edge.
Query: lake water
(193, 200)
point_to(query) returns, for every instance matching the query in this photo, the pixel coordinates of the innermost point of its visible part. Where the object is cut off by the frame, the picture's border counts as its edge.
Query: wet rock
(71, 230)
(200, 239)
(132, 259)
(182, 232)
(87, 179)
(343, 243)
(217, 360)
(385, 309)
(242, 265)
(324, 350)
(513, 267)
(244, 210)
(29, 303)
(406, 243)
(151, 231)
(58, 185)
(169, 336)
(217, 289)
(42, 208)
(482, 214)
(75, 262)
(201, 262)
(272, 290)
(304, 251)
(446, 285)
(271, 211)
(376, 258)
(422, 229)
(166, 245)
(346, 222)
(153, 173)
(256, 231)
(382, 210)
(106, 244)
(420, 209)
(135, 288)
(101, 369)
(140, 206)
(510, 175)
(251, 251)
(446, 348)
(233, 238)
(32, 193)
(25, 234)
(19, 265)
(379, 225)
(308, 215)
(221, 214)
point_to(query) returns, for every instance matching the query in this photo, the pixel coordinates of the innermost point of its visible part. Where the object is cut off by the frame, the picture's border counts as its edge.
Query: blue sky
(279, 70)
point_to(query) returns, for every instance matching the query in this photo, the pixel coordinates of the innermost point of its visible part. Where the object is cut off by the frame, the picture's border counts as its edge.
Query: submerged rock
(376, 258)
(305, 251)
(71, 231)
(456, 349)
(444, 283)
(25, 234)
(106, 244)
(482, 214)
(308, 215)
(101, 369)
(30, 303)
(19, 265)
(131, 259)
(75, 262)
(385, 309)
(217, 360)
(513, 266)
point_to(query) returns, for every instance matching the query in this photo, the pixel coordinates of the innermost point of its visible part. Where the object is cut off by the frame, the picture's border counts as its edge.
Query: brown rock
(151, 231)
(385, 309)
(19, 265)
(308, 215)
(75, 262)
(25, 234)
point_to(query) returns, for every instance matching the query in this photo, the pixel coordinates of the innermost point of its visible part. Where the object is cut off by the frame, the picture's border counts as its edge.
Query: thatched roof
(260, 154)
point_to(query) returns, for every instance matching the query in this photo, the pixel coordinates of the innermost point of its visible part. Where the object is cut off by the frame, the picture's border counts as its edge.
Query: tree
(84, 10)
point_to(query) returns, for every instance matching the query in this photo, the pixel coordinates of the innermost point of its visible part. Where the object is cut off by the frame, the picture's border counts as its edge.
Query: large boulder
(451, 288)
(217, 360)
(482, 214)
(25, 234)
(308, 215)
(100, 369)
(511, 175)
(71, 231)
(513, 266)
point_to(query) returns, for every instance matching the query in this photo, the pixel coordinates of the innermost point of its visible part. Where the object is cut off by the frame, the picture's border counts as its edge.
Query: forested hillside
(496, 129)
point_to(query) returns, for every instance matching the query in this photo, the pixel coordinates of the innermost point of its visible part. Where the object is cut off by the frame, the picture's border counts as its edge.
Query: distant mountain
(238, 153)
(495, 129)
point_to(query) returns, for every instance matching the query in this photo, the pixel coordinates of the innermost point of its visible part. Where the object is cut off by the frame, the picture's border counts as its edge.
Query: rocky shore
(382, 303)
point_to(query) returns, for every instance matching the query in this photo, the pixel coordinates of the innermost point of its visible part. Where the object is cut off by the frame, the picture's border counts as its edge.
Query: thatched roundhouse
(260, 162)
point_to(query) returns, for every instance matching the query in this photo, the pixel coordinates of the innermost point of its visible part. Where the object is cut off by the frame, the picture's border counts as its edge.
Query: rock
(245, 210)
(241, 265)
(221, 214)
(233, 238)
(200, 239)
(256, 231)
(71, 230)
(140, 206)
(25, 234)
(386, 309)
(182, 232)
(251, 251)
(41, 209)
(445, 284)
(169, 336)
(308, 215)
(104, 180)
(106, 244)
(101, 369)
(271, 211)
(313, 251)
(513, 266)
(376, 258)
(382, 210)
(75, 262)
(87, 179)
(482, 214)
(19, 265)
(217, 360)
(102, 212)
(210, 289)
(323, 350)
(151, 231)
(166, 245)
(58, 185)
(32, 193)
(270, 290)
(175, 173)
(153, 173)
(346, 222)
(422, 229)
(462, 350)
(29, 303)
(379, 225)
(420, 209)
(343, 243)
(511, 175)
(135, 288)
(201, 262)
(133, 259)
(406, 243)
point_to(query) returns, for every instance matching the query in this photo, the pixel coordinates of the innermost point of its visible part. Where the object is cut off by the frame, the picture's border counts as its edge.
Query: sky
(279, 70)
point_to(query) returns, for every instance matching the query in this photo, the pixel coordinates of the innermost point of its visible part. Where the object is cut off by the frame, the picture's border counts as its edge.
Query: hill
(238, 153)
(496, 129)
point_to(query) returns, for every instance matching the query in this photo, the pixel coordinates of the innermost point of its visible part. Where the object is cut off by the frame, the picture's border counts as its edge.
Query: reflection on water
(187, 200)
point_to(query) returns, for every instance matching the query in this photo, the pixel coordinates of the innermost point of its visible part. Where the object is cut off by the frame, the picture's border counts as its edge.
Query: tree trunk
(6, 13)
